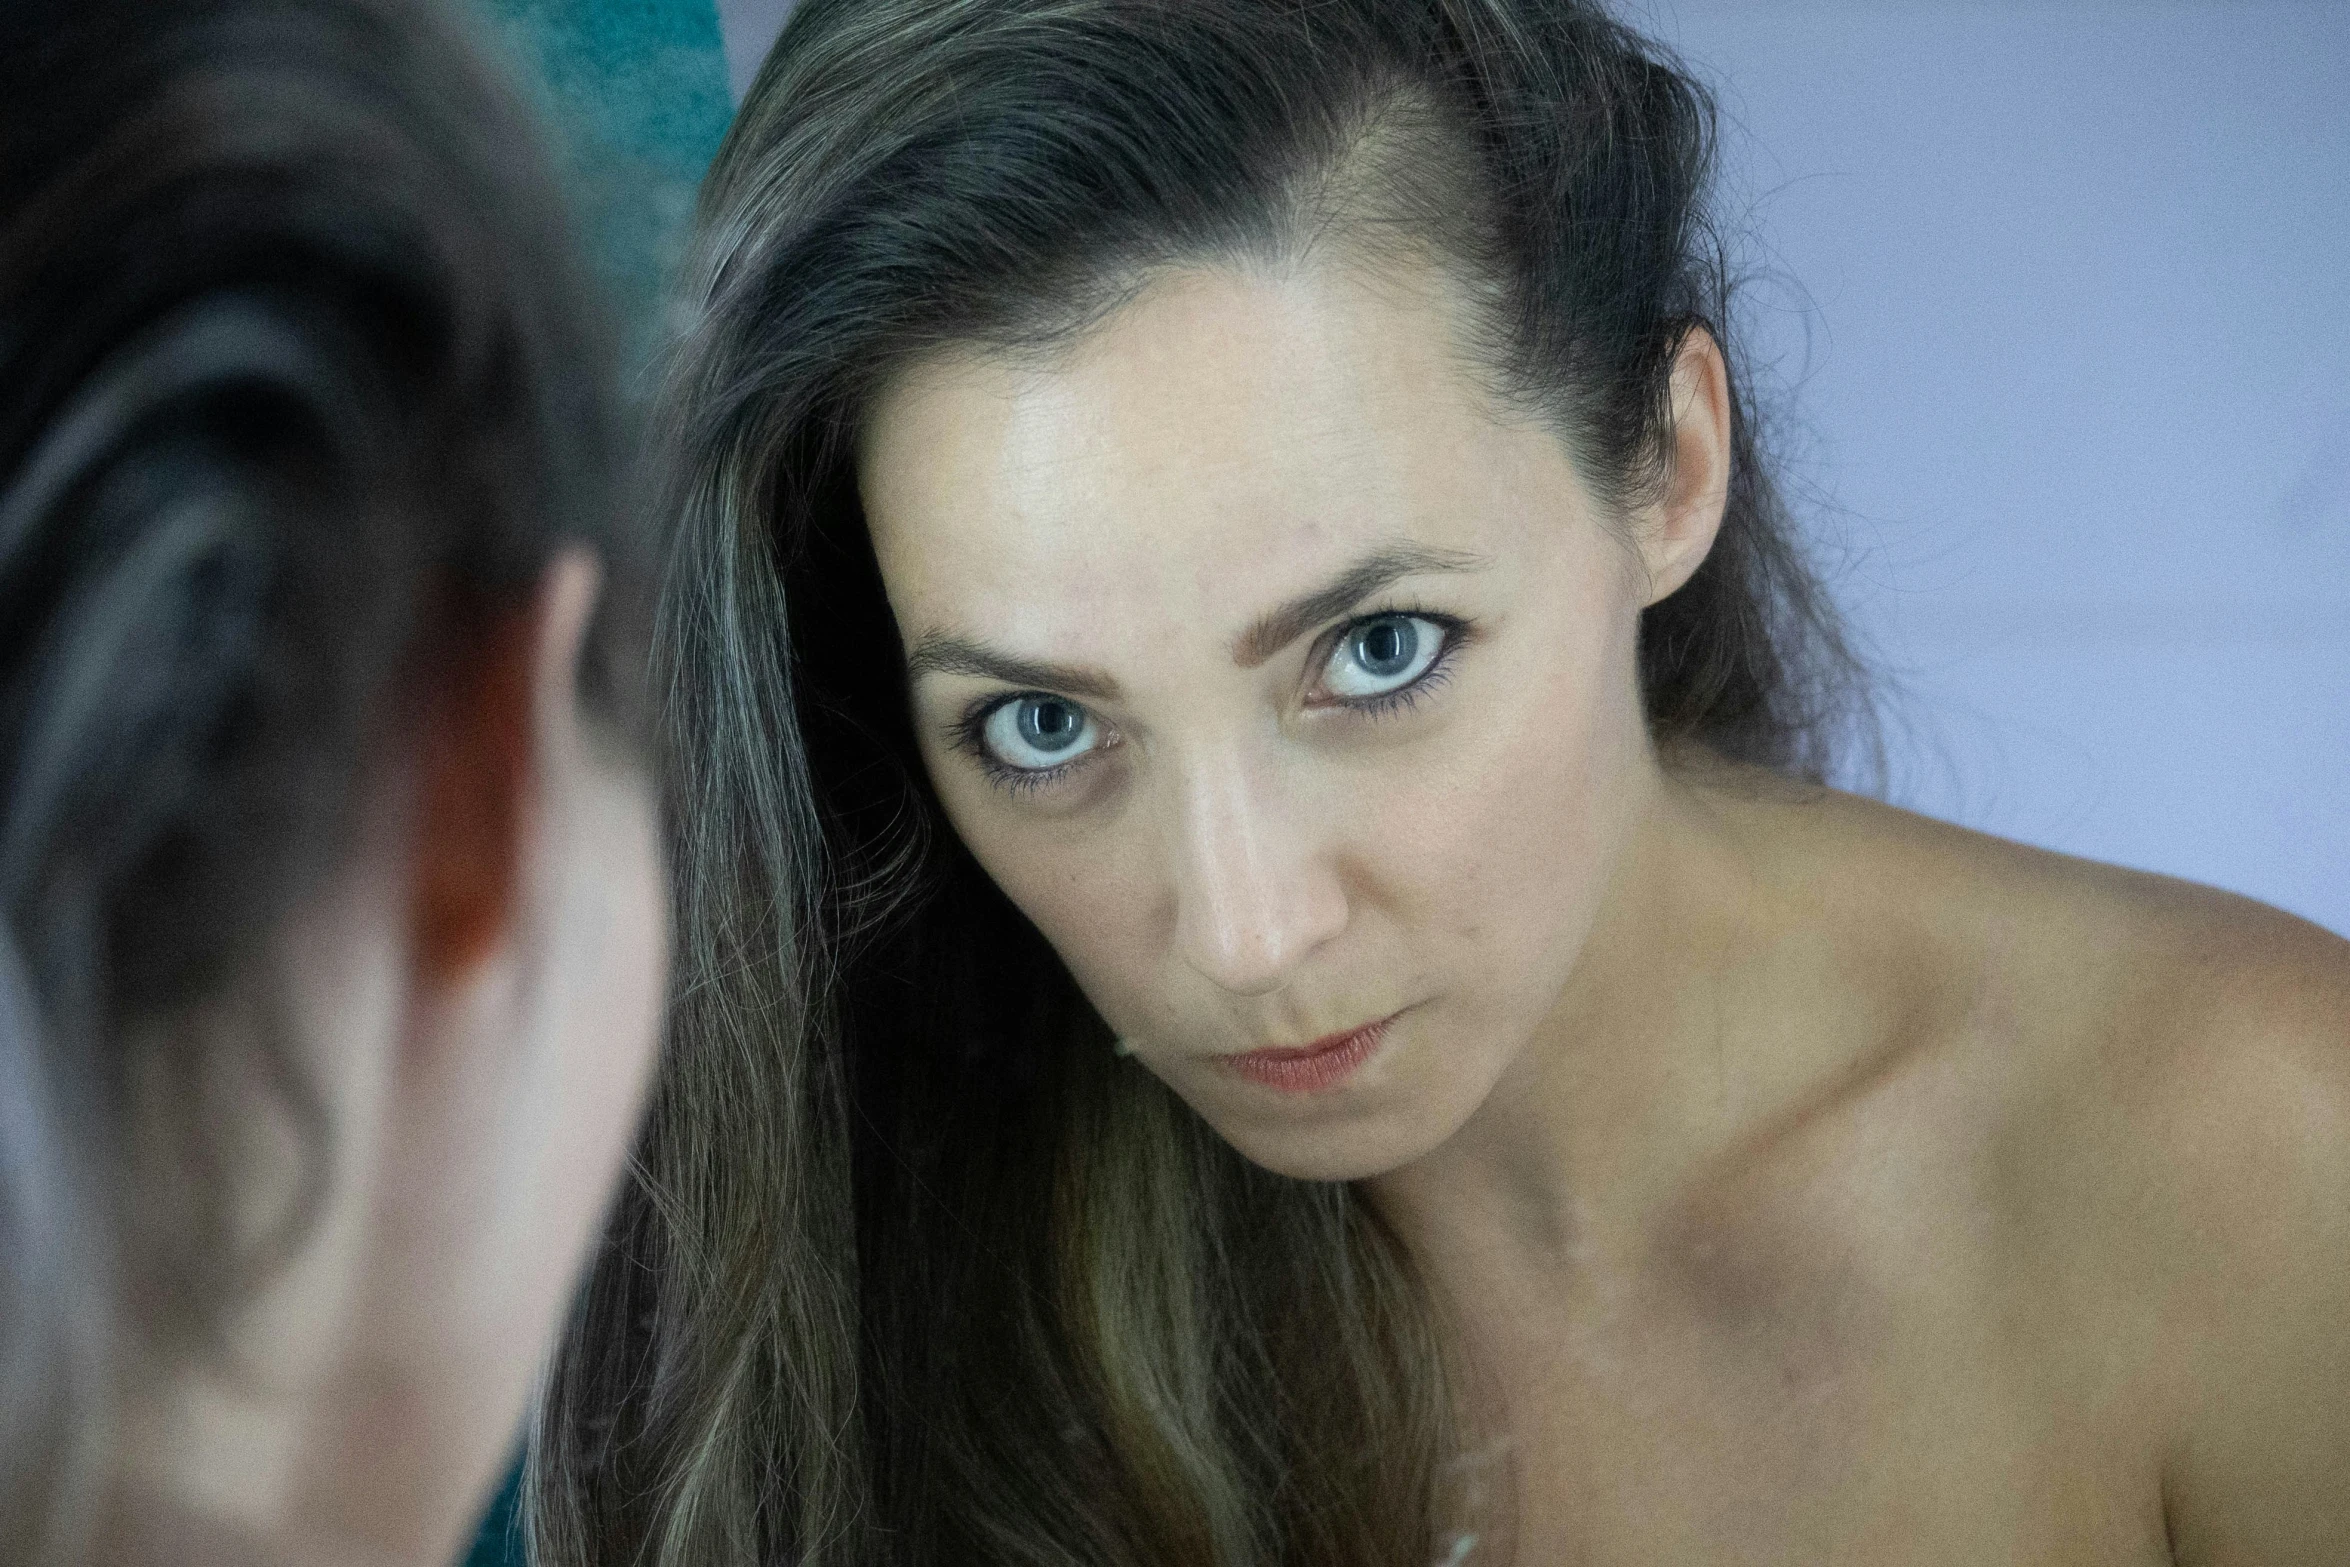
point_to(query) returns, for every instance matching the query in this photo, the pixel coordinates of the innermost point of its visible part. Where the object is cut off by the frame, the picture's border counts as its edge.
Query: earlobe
(1689, 514)
(478, 768)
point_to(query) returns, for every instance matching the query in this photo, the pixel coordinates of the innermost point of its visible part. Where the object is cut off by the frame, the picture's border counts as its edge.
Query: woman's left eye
(1382, 655)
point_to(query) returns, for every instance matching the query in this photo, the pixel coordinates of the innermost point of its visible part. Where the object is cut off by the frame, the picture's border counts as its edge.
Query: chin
(1334, 1145)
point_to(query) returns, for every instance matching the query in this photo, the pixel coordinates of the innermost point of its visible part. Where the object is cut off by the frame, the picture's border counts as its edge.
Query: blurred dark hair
(911, 1268)
(298, 395)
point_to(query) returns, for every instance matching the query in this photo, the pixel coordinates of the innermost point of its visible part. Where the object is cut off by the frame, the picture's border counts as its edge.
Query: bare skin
(484, 1083)
(1807, 1181)
(2008, 1221)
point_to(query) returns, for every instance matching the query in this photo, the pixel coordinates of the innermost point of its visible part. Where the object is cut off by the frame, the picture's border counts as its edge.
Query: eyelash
(1404, 698)
(968, 732)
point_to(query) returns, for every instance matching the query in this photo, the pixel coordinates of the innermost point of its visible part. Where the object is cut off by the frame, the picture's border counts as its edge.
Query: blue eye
(1382, 655)
(1031, 733)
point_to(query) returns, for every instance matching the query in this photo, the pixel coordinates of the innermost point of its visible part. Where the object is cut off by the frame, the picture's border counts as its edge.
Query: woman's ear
(477, 759)
(1678, 532)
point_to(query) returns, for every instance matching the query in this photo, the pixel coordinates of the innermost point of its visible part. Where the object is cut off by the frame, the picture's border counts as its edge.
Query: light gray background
(2055, 301)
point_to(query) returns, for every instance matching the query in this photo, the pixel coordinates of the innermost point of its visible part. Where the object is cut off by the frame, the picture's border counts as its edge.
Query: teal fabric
(637, 92)
(499, 1544)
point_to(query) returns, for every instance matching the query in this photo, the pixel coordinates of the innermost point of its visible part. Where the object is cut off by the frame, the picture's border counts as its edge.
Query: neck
(1636, 1082)
(239, 1463)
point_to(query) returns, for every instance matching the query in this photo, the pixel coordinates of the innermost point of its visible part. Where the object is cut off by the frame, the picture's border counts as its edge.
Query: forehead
(1227, 438)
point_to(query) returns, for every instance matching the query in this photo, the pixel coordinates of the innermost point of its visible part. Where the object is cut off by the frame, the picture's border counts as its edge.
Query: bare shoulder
(2219, 1221)
(2245, 1012)
(2205, 1030)
(2215, 1043)
(2145, 978)
(2087, 998)
(2164, 1146)
(2074, 1141)
(2127, 1016)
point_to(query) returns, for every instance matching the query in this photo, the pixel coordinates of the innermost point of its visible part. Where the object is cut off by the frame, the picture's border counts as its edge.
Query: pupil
(1049, 726)
(1387, 646)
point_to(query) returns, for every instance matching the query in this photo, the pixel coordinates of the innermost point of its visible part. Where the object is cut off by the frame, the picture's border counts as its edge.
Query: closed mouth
(1325, 1063)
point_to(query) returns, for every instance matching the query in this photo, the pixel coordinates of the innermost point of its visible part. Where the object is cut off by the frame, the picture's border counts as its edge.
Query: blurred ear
(482, 737)
(1679, 531)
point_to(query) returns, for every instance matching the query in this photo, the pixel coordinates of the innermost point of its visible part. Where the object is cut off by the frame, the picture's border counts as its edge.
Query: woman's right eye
(1036, 733)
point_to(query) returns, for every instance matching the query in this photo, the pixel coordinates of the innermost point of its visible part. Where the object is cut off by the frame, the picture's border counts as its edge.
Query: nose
(1254, 894)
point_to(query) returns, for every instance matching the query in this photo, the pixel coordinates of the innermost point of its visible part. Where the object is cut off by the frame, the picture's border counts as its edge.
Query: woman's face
(1283, 680)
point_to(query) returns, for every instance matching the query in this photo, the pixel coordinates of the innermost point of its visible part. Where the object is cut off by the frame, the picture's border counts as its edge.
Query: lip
(1307, 1069)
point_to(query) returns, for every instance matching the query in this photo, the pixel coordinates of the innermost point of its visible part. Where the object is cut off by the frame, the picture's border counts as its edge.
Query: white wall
(2077, 381)
(2062, 294)
(750, 26)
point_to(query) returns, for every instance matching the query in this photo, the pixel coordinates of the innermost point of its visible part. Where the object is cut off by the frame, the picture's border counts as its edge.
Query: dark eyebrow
(939, 653)
(1277, 629)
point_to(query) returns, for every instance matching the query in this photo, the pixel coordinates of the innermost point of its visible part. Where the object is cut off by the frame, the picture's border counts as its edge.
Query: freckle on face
(1229, 440)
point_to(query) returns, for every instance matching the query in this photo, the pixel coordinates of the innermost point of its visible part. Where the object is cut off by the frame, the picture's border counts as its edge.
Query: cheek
(1493, 869)
(1087, 889)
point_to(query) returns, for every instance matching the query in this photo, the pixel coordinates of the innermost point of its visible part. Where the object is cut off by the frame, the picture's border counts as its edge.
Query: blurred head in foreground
(331, 931)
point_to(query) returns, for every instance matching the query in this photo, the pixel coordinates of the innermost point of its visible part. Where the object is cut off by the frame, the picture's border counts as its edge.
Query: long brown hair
(913, 1269)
